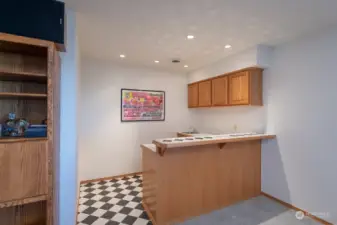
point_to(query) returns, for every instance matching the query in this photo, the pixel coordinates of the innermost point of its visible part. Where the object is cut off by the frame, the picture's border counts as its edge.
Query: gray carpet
(256, 211)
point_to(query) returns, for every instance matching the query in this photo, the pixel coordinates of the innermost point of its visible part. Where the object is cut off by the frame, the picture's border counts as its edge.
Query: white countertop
(200, 134)
(202, 139)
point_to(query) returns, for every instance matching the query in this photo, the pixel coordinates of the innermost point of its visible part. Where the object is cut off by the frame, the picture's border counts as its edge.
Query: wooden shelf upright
(29, 87)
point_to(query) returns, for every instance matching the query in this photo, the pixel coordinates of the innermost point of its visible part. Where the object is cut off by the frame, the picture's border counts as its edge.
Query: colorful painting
(142, 105)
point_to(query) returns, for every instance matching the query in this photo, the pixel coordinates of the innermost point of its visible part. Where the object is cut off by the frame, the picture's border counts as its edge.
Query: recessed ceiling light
(186, 66)
(190, 37)
(156, 61)
(228, 46)
(122, 56)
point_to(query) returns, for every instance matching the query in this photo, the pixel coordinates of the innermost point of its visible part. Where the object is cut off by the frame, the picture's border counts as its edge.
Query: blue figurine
(11, 116)
(14, 127)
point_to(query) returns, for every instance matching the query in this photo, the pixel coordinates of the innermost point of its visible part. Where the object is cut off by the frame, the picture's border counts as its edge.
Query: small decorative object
(11, 116)
(14, 127)
(44, 122)
(142, 105)
(22, 125)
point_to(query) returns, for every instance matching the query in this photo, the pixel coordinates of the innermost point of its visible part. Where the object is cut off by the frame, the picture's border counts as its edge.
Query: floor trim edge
(110, 178)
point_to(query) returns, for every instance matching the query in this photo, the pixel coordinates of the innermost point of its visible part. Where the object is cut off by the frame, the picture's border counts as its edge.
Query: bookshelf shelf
(22, 95)
(22, 76)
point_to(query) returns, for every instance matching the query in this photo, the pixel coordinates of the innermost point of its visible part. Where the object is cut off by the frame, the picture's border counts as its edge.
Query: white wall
(68, 185)
(300, 94)
(238, 61)
(109, 147)
(301, 103)
(223, 120)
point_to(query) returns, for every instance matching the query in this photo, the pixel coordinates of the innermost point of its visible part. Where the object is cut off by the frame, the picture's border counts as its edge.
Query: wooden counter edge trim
(148, 212)
(229, 73)
(23, 201)
(296, 209)
(110, 178)
(209, 142)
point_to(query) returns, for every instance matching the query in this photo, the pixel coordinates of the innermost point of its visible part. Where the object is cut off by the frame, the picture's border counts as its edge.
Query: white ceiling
(148, 30)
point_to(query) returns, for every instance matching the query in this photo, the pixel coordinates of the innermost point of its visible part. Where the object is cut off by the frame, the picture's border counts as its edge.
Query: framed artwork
(142, 105)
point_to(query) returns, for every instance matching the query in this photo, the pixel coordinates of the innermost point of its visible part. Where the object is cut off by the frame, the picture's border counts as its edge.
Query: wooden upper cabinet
(220, 91)
(242, 87)
(245, 88)
(193, 95)
(239, 88)
(205, 93)
(255, 83)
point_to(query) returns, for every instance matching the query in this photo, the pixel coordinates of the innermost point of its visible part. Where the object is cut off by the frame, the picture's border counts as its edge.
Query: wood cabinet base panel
(191, 181)
(30, 214)
(23, 170)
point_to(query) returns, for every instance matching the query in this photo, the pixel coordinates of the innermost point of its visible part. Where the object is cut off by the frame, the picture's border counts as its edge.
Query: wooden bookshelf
(29, 88)
(21, 95)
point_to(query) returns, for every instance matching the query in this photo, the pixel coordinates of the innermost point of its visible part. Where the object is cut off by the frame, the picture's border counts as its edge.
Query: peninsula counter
(189, 176)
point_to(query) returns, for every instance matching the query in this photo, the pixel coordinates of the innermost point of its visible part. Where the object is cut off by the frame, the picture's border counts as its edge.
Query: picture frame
(139, 105)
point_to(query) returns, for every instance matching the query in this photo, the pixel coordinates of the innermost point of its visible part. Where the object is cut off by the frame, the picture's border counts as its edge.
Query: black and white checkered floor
(110, 202)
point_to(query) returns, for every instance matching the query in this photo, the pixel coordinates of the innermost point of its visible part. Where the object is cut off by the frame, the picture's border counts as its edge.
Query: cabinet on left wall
(29, 88)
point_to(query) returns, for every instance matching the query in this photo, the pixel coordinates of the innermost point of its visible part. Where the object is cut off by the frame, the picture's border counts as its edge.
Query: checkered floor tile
(110, 202)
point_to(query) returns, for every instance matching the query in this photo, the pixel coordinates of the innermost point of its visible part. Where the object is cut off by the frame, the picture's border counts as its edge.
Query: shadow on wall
(274, 180)
(273, 173)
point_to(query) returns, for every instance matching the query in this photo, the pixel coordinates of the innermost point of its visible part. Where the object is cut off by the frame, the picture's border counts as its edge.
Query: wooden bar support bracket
(221, 145)
(161, 150)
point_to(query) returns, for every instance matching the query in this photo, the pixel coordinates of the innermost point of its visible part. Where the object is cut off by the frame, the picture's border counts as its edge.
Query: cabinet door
(205, 93)
(239, 89)
(220, 91)
(193, 95)
(23, 170)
